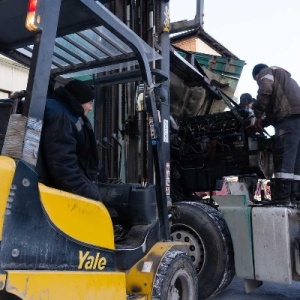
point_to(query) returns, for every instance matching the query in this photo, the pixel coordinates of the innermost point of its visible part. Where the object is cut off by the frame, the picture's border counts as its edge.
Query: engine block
(206, 148)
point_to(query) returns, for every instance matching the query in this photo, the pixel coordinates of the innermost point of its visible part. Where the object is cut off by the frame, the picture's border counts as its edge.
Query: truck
(163, 137)
(55, 244)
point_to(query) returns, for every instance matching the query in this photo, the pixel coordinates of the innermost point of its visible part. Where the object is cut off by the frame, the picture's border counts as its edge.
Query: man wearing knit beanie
(257, 69)
(68, 152)
(246, 101)
(278, 104)
(80, 90)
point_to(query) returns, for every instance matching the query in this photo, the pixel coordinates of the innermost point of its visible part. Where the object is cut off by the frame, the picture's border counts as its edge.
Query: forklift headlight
(33, 19)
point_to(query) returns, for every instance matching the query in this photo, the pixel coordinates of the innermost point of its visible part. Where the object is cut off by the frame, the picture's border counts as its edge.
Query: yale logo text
(91, 262)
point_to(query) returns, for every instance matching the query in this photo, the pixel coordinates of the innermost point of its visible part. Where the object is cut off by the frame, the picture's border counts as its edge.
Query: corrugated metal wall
(13, 77)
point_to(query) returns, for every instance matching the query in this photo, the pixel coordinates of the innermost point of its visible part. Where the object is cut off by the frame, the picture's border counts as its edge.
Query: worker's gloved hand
(256, 125)
(259, 125)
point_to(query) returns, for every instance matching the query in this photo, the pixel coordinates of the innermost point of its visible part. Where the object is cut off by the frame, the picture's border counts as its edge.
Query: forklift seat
(7, 107)
(134, 204)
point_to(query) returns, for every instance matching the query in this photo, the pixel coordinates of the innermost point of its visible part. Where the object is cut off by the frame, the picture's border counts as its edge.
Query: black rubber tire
(7, 296)
(175, 278)
(211, 246)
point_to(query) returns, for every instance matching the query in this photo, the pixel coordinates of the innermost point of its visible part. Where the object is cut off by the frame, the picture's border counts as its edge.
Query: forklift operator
(68, 150)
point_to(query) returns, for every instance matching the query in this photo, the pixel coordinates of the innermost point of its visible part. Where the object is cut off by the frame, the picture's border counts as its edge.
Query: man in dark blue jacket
(68, 146)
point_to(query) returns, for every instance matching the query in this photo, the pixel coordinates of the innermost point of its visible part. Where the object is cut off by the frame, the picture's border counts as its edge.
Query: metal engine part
(206, 148)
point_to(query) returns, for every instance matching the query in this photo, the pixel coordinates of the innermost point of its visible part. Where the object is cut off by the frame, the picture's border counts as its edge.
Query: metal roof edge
(205, 37)
(7, 61)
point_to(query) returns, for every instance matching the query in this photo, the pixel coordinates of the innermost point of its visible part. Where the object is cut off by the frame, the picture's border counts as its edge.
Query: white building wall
(13, 77)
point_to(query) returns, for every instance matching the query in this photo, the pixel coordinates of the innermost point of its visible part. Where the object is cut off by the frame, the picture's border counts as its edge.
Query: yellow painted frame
(45, 285)
(140, 277)
(7, 171)
(84, 220)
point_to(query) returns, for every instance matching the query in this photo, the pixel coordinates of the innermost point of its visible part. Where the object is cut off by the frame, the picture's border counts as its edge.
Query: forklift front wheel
(6, 296)
(210, 244)
(176, 278)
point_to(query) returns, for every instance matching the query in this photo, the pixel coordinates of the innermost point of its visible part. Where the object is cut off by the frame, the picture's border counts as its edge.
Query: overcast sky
(256, 31)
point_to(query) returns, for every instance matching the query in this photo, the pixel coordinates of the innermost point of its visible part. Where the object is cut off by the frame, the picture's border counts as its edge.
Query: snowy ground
(268, 291)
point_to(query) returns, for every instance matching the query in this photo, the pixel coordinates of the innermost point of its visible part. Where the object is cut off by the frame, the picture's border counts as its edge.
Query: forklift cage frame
(93, 39)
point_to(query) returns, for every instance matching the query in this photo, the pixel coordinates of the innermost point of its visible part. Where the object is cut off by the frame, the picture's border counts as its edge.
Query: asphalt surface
(268, 291)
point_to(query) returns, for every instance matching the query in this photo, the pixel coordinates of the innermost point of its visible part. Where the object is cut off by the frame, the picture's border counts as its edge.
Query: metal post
(39, 75)
(200, 13)
(164, 95)
(165, 90)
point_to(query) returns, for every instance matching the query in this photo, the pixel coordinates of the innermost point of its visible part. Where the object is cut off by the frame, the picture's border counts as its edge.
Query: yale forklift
(57, 245)
(164, 138)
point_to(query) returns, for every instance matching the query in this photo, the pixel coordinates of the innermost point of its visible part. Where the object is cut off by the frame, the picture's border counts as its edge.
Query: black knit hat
(82, 92)
(246, 99)
(257, 69)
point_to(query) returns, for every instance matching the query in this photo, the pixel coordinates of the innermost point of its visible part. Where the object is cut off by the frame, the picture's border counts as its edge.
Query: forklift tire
(211, 248)
(6, 296)
(175, 278)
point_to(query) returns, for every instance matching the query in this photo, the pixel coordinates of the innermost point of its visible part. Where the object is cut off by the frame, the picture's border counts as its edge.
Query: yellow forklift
(57, 245)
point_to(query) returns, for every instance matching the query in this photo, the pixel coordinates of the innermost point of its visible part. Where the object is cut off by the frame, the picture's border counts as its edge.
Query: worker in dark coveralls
(68, 146)
(278, 100)
(246, 101)
(251, 180)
